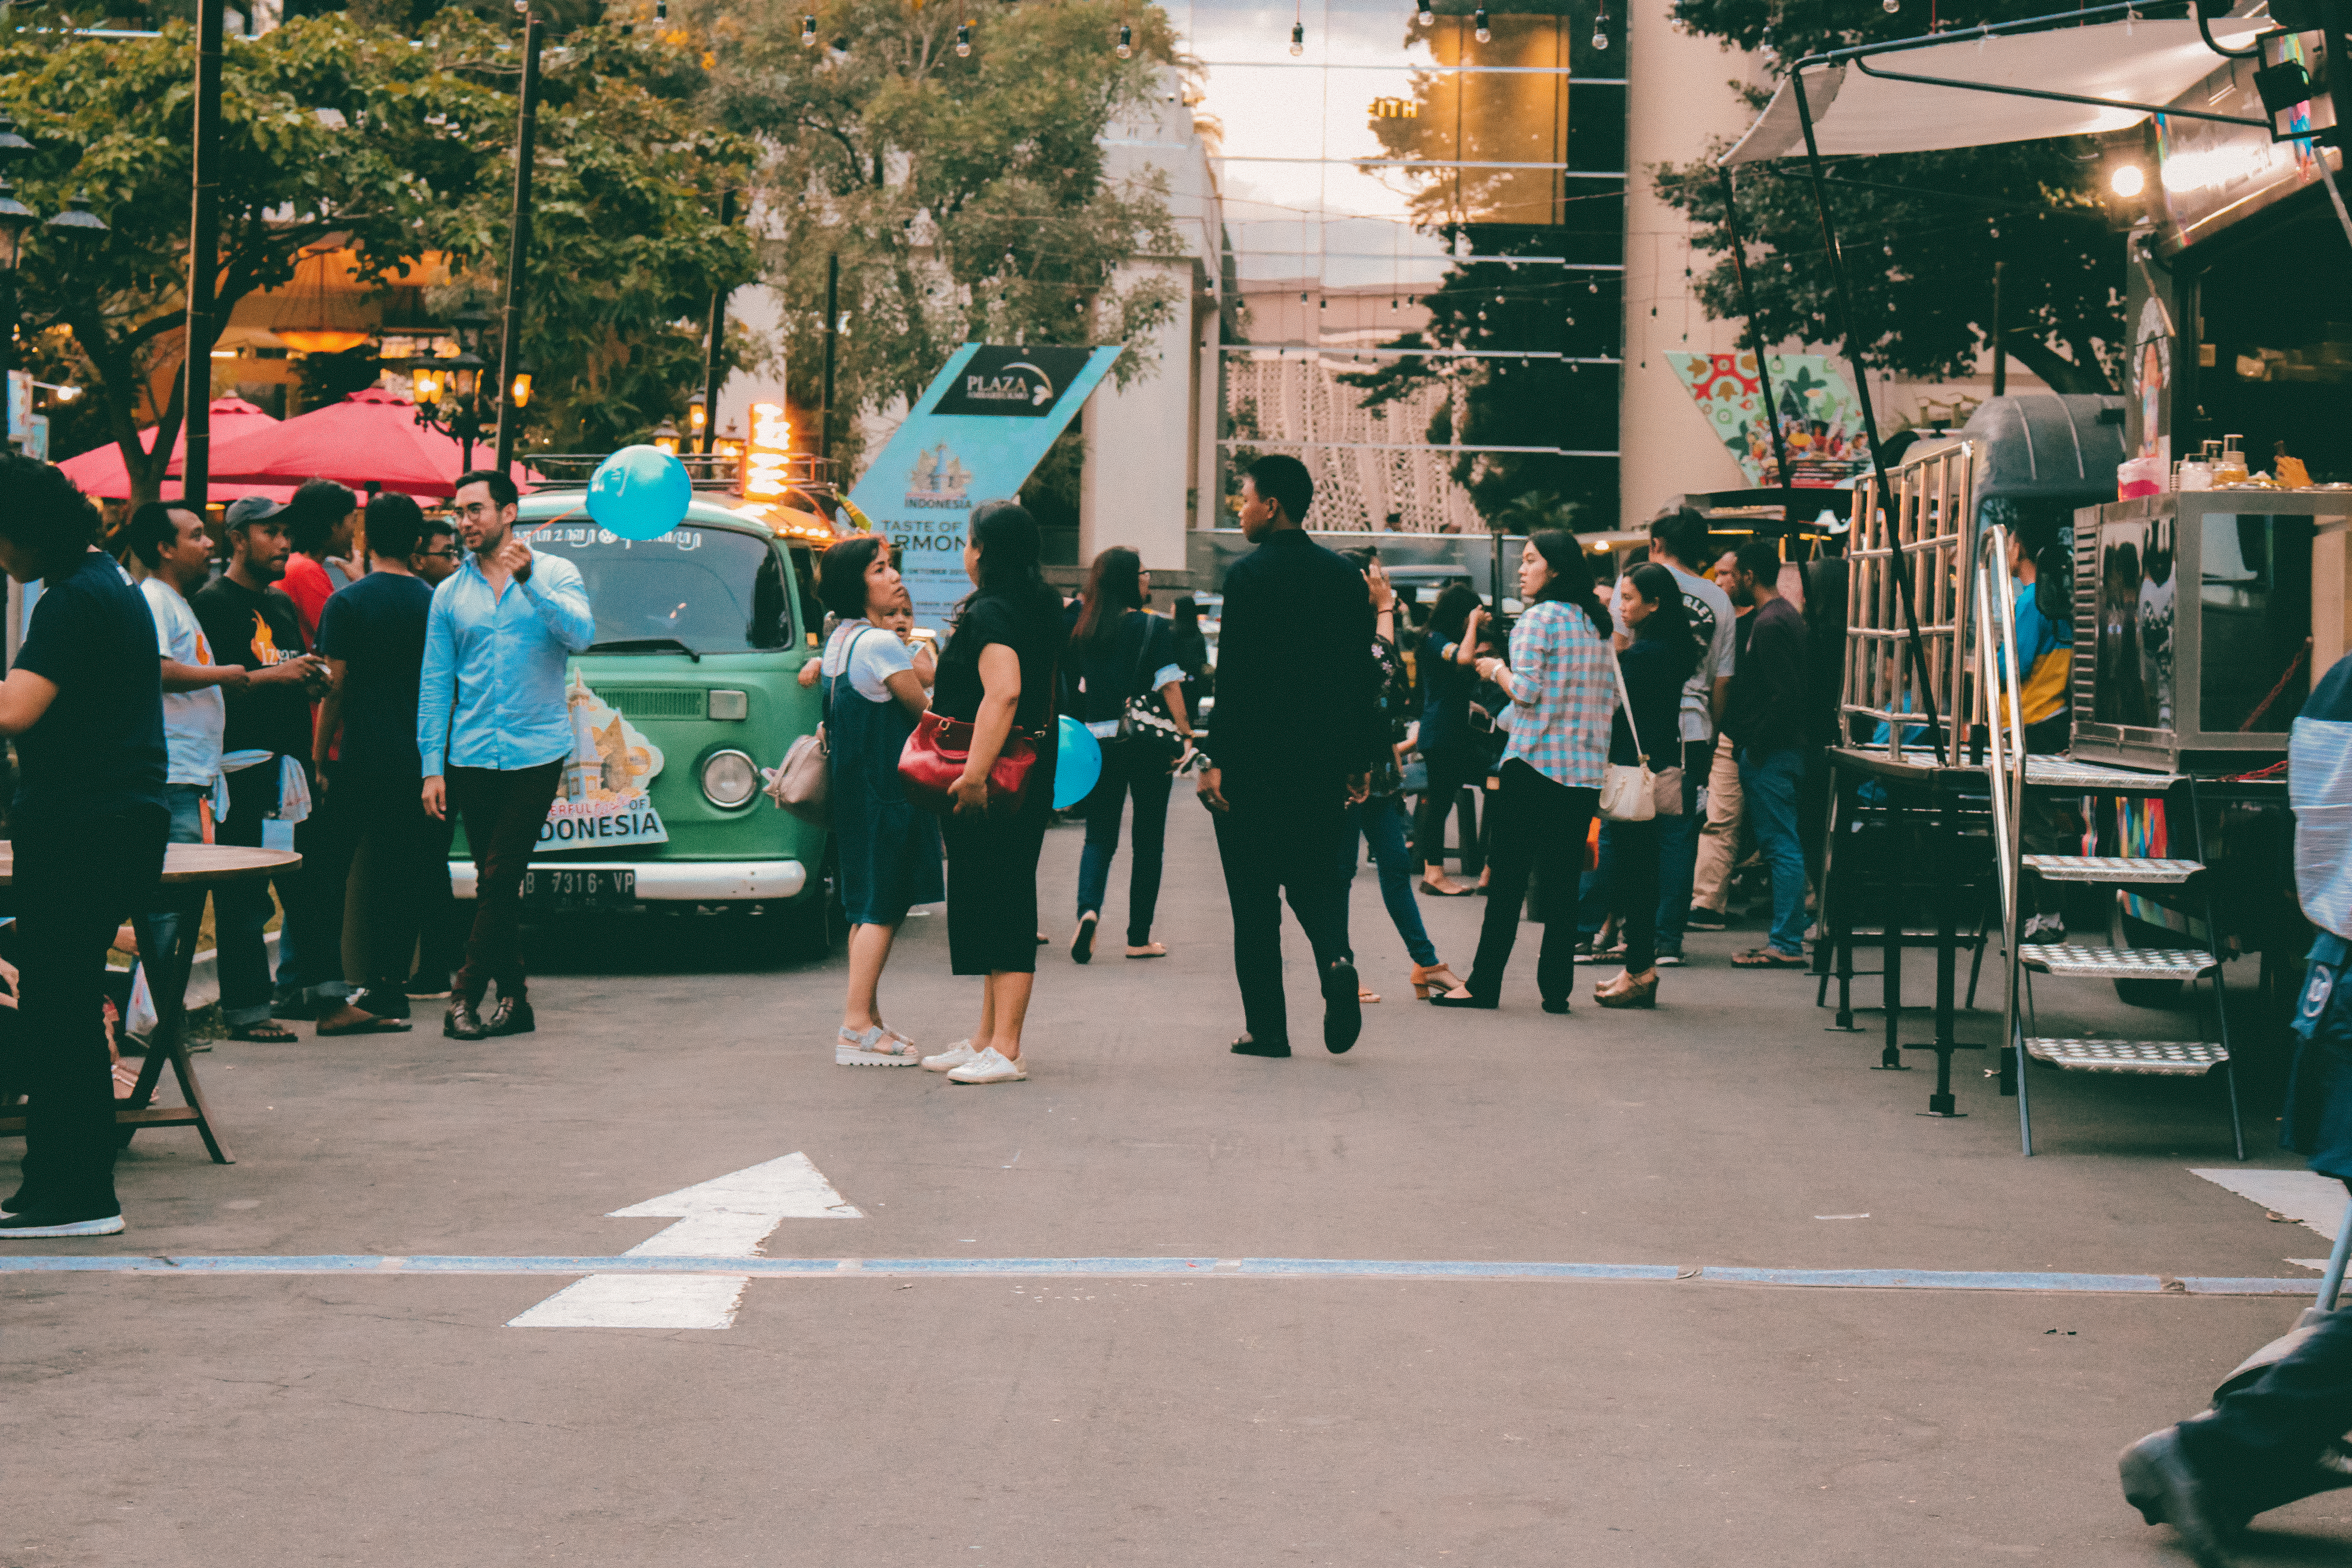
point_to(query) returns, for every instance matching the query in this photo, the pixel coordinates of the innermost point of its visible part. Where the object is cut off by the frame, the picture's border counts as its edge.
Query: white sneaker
(955, 1056)
(873, 1048)
(989, 1068)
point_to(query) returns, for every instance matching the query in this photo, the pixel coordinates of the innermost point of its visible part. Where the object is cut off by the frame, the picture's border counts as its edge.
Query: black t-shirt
(377, 628)
(1121, 665)
(257, 630)
(1035, 639)
(99, 751)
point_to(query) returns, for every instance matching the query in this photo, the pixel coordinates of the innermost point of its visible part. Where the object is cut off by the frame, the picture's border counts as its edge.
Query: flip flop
(270, 1032)
(1434, 892)
(1766, 958)
(372, 1027)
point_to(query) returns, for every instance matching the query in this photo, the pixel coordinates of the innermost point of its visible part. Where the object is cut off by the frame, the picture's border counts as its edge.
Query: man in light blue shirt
(492, 731)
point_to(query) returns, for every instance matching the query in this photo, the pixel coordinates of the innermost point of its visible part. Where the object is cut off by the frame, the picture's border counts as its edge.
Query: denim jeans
(1381, 821)
(1770, 781)
(185, 803)
(1678, 849)
(242, 907)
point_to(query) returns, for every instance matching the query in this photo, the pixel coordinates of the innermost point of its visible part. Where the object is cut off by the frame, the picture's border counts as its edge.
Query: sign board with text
(975, 434)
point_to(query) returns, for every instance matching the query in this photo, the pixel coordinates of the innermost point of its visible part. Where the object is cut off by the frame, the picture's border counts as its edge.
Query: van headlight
(728, 779)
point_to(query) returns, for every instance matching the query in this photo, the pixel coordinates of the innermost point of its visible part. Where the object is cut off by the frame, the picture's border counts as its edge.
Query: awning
(1858, 114)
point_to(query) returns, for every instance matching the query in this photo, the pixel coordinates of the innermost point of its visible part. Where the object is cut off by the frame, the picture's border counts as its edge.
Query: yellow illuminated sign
(763, 461)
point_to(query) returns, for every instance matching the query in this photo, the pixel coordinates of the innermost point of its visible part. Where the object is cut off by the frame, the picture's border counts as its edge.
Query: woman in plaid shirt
(1563, 692)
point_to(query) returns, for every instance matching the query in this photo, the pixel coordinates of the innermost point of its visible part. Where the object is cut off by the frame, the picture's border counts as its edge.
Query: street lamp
(448, 389)
(697, 418)
(666, 437)
(76, 223)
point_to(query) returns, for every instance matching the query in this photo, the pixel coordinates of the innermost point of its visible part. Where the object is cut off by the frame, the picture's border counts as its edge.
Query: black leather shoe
(1486, 1002)
(1555, 1005)
(1247, 1047)
(511, 1018)
(464, 1021)
(2158, 1482)
(1343, 1007)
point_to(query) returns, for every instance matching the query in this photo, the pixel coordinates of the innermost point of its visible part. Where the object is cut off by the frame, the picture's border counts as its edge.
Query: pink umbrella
(101, 472)
(369, 441)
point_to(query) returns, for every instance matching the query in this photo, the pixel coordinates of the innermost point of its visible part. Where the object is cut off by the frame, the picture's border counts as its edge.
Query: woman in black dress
(1663, 652)
(998, 674)
(1446, 745)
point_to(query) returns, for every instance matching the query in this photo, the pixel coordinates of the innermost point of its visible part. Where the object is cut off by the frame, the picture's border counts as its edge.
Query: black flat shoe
(1343, 1007)
(1486, 1002)
(1082, 946)
(1559, 1006)
(1245, 1047)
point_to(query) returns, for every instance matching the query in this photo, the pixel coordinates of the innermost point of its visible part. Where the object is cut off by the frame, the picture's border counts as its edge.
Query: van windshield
(703, 590)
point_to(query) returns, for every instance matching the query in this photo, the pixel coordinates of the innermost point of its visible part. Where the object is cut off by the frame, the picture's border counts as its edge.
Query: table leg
(167, 982)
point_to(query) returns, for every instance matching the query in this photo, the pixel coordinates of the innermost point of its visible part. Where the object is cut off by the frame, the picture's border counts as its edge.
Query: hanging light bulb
(963, 42)
(1299, 38)
(1482, 32)
(1600, 29)
(661, 10)
(1890, 6)
(1126, 51)
(808, 32)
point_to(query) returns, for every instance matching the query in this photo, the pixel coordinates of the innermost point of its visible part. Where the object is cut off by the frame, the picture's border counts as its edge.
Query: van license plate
(554, 888)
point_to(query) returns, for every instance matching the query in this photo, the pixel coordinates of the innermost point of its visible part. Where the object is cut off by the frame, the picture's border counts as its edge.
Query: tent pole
(1884, 498)
(1755, 333)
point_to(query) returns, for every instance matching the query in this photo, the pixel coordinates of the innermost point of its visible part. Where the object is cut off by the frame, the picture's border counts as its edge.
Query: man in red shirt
(321, 520)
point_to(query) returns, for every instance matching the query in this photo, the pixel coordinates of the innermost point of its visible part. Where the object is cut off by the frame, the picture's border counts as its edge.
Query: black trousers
(411, 854)
(1639, 848)
(74, 884)
(1537, 826)
(2260, 1446)
(1449, 772)
(993, 888)
(504, 810)
(1281, 838)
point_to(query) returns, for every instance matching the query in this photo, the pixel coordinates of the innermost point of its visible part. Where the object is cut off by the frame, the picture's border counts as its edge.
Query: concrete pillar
(1678, 100)
(1140, 460)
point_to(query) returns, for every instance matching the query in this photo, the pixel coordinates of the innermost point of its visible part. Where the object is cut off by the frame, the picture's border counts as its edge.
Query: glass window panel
(2256, 604)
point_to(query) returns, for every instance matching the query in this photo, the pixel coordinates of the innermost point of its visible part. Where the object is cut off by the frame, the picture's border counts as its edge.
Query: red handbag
(934, 758)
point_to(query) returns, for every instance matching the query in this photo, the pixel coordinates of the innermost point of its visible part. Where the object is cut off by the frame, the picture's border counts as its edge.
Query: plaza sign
(976, 434)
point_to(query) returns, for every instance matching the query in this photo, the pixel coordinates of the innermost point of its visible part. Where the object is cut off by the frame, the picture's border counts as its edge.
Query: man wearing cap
(249, 621)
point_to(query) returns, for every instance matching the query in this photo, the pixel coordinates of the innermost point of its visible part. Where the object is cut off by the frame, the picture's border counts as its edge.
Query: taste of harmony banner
(975, 434)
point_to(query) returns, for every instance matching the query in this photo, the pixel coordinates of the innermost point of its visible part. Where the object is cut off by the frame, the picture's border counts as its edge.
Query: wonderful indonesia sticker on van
(604, 799)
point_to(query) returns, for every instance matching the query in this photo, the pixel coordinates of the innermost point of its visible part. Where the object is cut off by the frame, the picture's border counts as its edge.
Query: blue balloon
(639, 493)
(1078, 767)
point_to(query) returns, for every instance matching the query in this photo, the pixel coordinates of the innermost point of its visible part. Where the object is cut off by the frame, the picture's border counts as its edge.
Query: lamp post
(449, 390)
(519, 234)
(75, 224)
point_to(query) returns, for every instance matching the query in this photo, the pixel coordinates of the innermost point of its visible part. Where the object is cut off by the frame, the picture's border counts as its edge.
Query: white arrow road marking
(728, 1216)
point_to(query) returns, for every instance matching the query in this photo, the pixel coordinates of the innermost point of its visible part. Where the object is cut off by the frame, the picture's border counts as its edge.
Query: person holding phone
(1446, 745)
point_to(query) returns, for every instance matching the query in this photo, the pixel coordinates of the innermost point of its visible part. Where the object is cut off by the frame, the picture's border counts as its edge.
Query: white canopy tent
(1856, 113)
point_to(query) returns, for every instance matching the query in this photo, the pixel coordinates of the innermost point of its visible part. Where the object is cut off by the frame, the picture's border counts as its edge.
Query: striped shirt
(1563, 692)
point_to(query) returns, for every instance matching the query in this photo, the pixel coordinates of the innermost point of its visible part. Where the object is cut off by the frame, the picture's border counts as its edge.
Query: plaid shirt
(1563, 692)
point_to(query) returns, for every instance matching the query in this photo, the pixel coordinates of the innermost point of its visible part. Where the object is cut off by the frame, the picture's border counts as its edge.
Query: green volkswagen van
(687, 692)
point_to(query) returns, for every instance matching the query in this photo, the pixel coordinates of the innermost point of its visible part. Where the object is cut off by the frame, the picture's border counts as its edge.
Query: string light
(963, 42)
(1601, 29)
(1299, 38)
(661, 10)
(1482, 32)
(1890, 6)
(808, 32)
(1126, 42)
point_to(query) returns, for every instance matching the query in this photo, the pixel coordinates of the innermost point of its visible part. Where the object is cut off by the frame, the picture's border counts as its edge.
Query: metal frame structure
(1909, 586)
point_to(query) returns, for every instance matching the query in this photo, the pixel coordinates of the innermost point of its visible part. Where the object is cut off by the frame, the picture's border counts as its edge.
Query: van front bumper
(681, 881)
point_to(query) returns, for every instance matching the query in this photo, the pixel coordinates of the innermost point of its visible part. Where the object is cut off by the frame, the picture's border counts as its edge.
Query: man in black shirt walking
(1767, 717)
(1297, 726)
(85, 703)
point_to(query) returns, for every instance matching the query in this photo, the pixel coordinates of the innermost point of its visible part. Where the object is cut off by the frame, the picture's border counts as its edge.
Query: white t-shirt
(1709, 609)
(193, 721)
(879, 655)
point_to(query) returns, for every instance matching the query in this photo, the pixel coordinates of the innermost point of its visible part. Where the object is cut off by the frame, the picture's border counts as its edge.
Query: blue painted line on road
(1244, 1267)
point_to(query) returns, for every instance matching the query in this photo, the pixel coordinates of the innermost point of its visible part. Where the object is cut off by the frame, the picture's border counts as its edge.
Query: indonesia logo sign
(939, 481)
(604, 798)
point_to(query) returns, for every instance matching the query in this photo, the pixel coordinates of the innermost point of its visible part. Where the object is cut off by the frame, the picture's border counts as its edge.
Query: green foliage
(1920, 231)
(336, 131)
(965, 196)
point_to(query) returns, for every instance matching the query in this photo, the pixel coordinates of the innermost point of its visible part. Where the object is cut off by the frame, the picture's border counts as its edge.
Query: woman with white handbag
(1635, 797)
(1562, 685)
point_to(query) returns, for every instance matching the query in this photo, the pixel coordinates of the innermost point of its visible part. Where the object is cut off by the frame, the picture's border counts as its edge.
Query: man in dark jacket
(1766, 717)
(2282, 1435)
(1295, 729)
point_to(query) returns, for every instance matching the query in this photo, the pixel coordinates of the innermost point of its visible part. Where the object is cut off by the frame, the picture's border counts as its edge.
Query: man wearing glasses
(492, 731)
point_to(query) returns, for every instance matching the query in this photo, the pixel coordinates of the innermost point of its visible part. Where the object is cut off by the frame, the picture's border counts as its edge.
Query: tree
(395, 149)
(964, 194)
(1920, 231)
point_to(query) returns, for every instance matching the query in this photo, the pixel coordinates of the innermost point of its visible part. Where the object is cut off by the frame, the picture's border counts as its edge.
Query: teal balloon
(1077, 766)
(639, 493)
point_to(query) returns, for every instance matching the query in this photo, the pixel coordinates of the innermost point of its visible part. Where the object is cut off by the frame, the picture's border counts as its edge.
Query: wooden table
(188, 870)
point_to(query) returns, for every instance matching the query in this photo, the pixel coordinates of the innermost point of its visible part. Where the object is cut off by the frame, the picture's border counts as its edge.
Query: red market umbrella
(369, 441)
(99, 471)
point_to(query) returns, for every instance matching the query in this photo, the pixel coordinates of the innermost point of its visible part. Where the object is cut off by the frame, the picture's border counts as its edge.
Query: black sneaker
(382, 1001)
(511, 1018)
(34, 1226)
(464, 1021)
(1705, 919)
(1247, 1047)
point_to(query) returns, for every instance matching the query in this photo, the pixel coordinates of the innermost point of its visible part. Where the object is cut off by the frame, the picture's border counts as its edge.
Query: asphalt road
(875, 1419)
